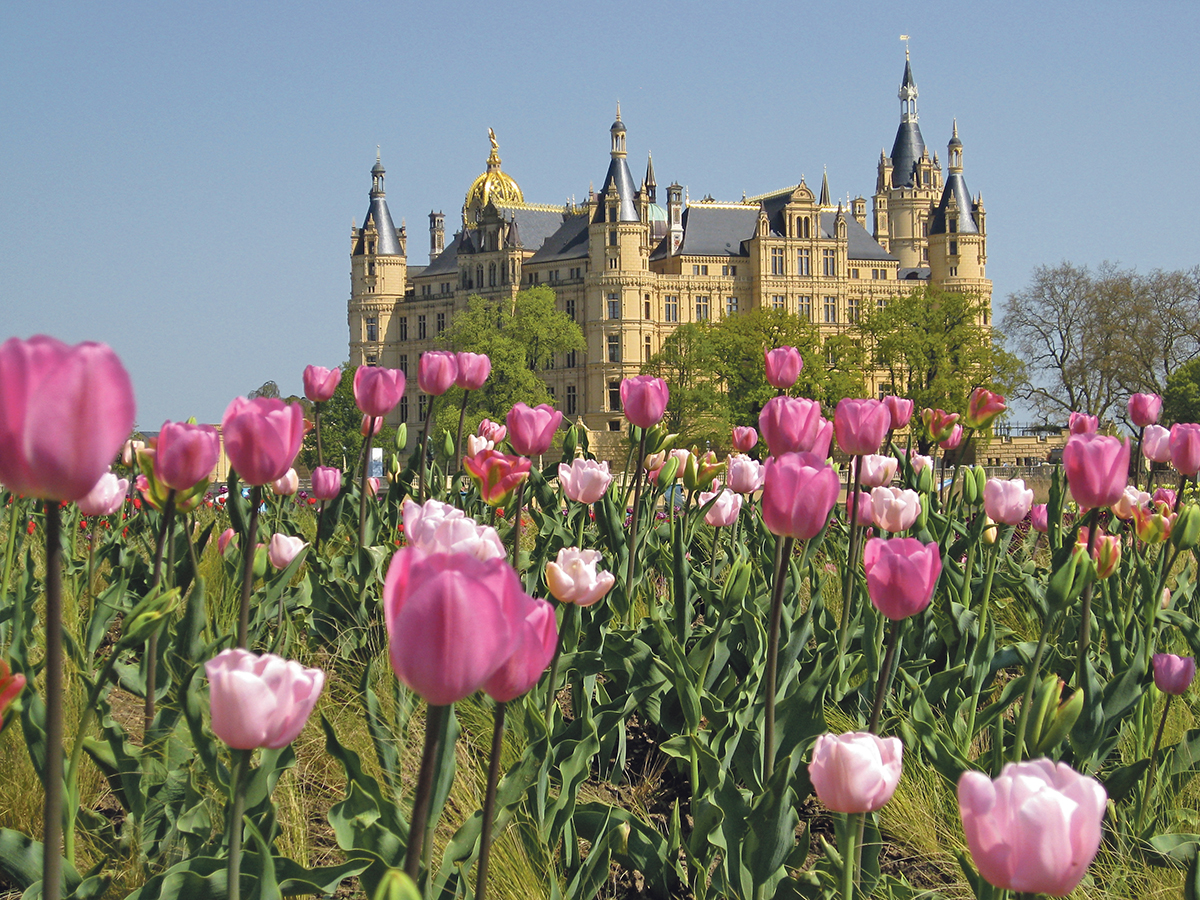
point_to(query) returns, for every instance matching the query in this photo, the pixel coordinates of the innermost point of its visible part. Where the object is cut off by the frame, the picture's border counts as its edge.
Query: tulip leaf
(21, 860)
(1178, 848)
(772, 834)
(1181, 761)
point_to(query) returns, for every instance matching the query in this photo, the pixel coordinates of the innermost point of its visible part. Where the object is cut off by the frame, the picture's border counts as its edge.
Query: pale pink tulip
(106, 497)
(584, 480)
(875, 470)
(531, 429)
(1097, 469)
(1008, 501)
(743, 474)
(644, 399)
(1156, 444)
(262, 437)
(286, 484)
(1173, 674)
(856, 772)
(861, 425)
(799, 492)
(1144, 409)
(536, 641)
(1081, 423)
(320, 383)
(185, 454)
(437, 527)
(283, 549)
(901, 575)
(893, 509)
(260, 701)
(725, 511)
(573, 577)
(473, 370)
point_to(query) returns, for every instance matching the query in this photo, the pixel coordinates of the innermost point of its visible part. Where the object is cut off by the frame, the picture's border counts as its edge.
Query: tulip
(573, 577)
(901, 575)
(377, 391)
(496, 475)
(492, 431)
(1007, 501)
(373, 424)
(286, 484)
(320, 383)
(875, 470)
(894, 510)
(262, 437)
(1172, 674)
(682, 457)
(1097, 469)
(225, 539)
(451, 621)
(953, 439)
(1185, 448)
(983, 407)
(743, 474)
(799, 491)
(106, 497)
(725, 511)
(1129, 500)
(861, 425)
(477, 444)
(1152, 524)
(1039, 518)
(1080, 423)
(856, 772)
(1166, 598)
(584, 480)
(1035, 829)
(473, 370)
(10, 687)
(326, 482)
(861, 515)
(260, 701)
(436, 527)
(920, 463)
(283, 549)
(185, 454)
(531, 429)
(1107, 554)
(702, 470)
(372, 484)
(1144, 409)
(783, 365)
(990, 532)
(436, 372)
(744, 438)
(1156, 444)
(129, 451)
(938, 423)
(64, 414)
(644, 399)
(790, 425)
(536, 640)
(1164, 495)
(901, 411)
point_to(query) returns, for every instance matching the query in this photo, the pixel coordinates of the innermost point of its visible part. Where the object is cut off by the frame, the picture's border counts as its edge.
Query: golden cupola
(493, 186)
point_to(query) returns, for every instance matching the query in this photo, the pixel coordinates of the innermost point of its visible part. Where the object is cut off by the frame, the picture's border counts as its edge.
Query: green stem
(885, 675)
(362, 484)
(250, 541)
(421, 498)
(164, 535)
(851, 576)
(72, 776)
(241, 759)
(1085, 614)
(783, 553)
(516, 546)
(462, 416)
(1027, 700)
(423, 797)
(1141, 809)
(317, 432)
(850, 855)
(633, 522)
(11, 543)
(982, 632)
(489, 802)
(712, 563)
(53, 811)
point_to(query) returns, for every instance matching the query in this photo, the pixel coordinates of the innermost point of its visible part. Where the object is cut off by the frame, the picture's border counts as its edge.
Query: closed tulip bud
(531, 429)
(990, 533)
(1097, 469)
(856, 772)
(106, 497)
(737, 583)
(10, 687)
(783, 365)
(938, 423)
(726, 509)
(901, 411)
(921, 463)
(894, 510)
(791, 425)
(148, 615)
(225, 540)
(402, 436)
(447, 445)
(701, 470)
(1081, 423)
(573, 577)
(326, 482)
(262, 437)
(1173, 674)
(1185, 533)
(1067, 582)
(473, 370)
(1166, 598)
(1156, 444)
(260, 701)
(286, 484)
(396, 885)
(320, 384)
(861, 425)
(436, 371)
(129, 451)
(983, 407)
(858, 507)
(901, 575)
(799, 492)
(377, 390)
(953, 439)
(1062, 719)
(536, 640)
(1107, 554)
(185, 454)
(1144, 409)
(669, 471)
(496, 475)
(1039, 518)
(370, 425)
(744, 439)
(644, 399)
(876, 471)
(283, 549)
(584, 480)
(1185, 448)
(743, 474)
(1007, 501)
(1153, 524)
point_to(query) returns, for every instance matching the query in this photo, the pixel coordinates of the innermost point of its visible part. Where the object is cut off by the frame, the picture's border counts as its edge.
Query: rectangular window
(445, 287)
(701, 308)
(730, 305)
(570, 304)
(441, 322)
(614, 396)
(729, 271)
(614, 263)
(426, 290)
(874, 274)
(554, 275)
(851, 309)
(806, 308)
(671, 308)
(570, 399)
(804, 263)
(372, 359)
(881, 303)
(828, 263)
(612, 237)
(778, 301)
(830, 310)
(571, 359)
(420, 328)
(954, 271)
(403, 407)
(550, 362)
(614, 306)
(372, 328)
(647, 307)
(422, 402)
(776, 260)
(954, 248)
(649, 351)
(614, 348)
(854, 273)
(699, 270)
(403, 363)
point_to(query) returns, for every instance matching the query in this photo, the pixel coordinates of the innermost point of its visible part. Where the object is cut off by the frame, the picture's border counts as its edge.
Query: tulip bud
(402, 436)
(448, 445)
(1059, 723)
(1107, 554)
(925, 480)
(1185, 533)
(666, 475)
(990, 531)
(971, 492)
(981, 478)
(570, 441)
(145, 618)
(1067, 581)
(737, 582)
(1173, 674)
(1044, 698)
(396, 885)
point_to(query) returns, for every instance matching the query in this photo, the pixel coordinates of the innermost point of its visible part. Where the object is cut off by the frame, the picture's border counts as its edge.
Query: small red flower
(31, 528)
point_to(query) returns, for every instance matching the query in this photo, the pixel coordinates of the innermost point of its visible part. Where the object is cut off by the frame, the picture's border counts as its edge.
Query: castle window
(612, 237)
(371, 359)
(854, 273)
(828, 263)
(422, 404)
(371, 267)
(830, 310)
(570, 399)
(776, 260)
(729, 271)
(550, 362)
(701, 308)
(441, 322)
(802, 227)
(671, 308)
(731, 305)
(491, 274)
(954, 248)
(851, 309)
(699, 270)
(372, 328)
(445, 287)
(420, 328)
(570, 305)
(426, 290)
(804, 262)
(554, 275)
(646, 307)
(614, 306)
(404, 328)
(614, 348)
(649, 352)
(403, 363)
(778, 301)
(571, 359)
(881, 303)
(614, 399)
(370, 246)
(614, 263)
(954, 226)
(806, 308)
(954, 271)
(404, 408)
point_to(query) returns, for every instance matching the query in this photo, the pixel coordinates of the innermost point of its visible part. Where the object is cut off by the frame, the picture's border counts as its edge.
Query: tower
(378, 274)
(437, 234)
(957, 240)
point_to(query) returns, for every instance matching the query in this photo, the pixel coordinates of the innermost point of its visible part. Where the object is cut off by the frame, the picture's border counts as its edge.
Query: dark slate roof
(908, 80)
(619, 174)
(389, 244)
(909, 273)
(859, 244)
(569, 242)
(447, 261)
(416, 271)
(534, 225)
(906, 151)
(710, 230)
(956, 186)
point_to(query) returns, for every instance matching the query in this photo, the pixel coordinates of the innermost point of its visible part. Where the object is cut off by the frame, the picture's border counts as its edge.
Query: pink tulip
(1039, 518)
(1144, 409)
(783, 365)
(11, 687)
(64, 414)
(106, 497)
(283, 549)
(373, 486)
(326, 482)
(1097, 469)
(477, 444)
(861, 425)
(725, 511)
(893, 509)
(1152, 524)
(858, 503)
(953, 439)
(262, 437)
(260, 701)
(1129, 500)
(573, 577)
(377, 391)
(901, 575)
(286, 484)
(536, 640)
(496, 475)
(473, 370)
(185, 454)
(451, 621)
(320, 383)
(875, 470)
(1107, 554)
(436, 527)
(584, 480)
(1035, 829)
(531, 429)
(225, 539)
(436, 371)
(1163, 496)
(856, 772)
(1185, 448)
(744, 438)
(901, 411)
(1156, 444)
(644, 399)
(374, 424)
(938, 423)
(1080, 423)
(983, 407)
(743, 474)
(790, 425)
(1008, 502)
(799, 491)
(920, 462)
(1173, 674)
(492, 431)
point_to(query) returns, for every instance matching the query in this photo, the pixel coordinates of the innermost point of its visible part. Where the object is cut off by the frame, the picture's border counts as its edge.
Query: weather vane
(904, 37)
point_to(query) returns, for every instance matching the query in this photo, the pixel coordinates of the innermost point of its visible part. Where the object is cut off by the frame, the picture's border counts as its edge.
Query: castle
(630, 270)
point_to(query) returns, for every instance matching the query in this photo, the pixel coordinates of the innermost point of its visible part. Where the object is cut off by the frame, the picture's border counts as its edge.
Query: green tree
(699, 406)
(1181, 399)
(341, 428)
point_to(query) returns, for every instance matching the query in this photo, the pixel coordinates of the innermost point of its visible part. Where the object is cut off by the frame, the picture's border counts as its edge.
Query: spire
(377, 176)
(379, 217)
(909, 146)
(618, 136)
(648, 182)
(619, 179)
(824, 201)
(954, 152)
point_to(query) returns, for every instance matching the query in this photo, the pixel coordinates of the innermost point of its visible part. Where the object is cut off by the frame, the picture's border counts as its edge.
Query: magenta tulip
(725, 511)
(791, 425)
(1185, 448)
(1144, 409)
(106, 497)
(326, 482)
(1173, 674)
(283, 549)
(858, 505)
(473, 370)
(531, 429)
(373, 424)
(1039, 518)
(1156, 444)
(451, 621)
(260, 701)
(1097, 469)
(436, 527)
(1035, 829)
(799, 491)
(262, 437)
(861, 425)
(1080, 423)
(536, 640)
(644, 399)
(953, 439)
(894, 509)
(584, 480)
(1007, 502)
(492, 431)
(377, 391)
(185, 454)
(64, 414)
(744, 438)
(901, 411)
(743, 474)
(856, 772)
(572, 577)
(983, 407)
(783, 365)
(320, 383)
(225, 540)
(436, 371)
(901, 575)
(1164, 495)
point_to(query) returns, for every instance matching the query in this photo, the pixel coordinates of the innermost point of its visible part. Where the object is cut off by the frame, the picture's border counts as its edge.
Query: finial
(377, 159)
(618, 110)
(904, 37)
(955, 127)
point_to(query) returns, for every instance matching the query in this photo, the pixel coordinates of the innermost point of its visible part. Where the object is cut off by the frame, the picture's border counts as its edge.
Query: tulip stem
(250, 540)
(851, 575)
(885, 675)
(783, 553)
(317, 432)
(164, 534)
(1085, 614)
(516, 547)
(53, 810)
(241, 759)
(1162, 723)
(854, 822)
(462, 416)
(1027, 700)
(421, 498)
(633, 523)
(14, 513)
(81, 732)
(489, 802)
(362, 484)
(424, 791)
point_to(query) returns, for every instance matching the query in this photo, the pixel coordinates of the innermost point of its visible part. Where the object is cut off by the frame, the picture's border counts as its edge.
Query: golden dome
(492, 186)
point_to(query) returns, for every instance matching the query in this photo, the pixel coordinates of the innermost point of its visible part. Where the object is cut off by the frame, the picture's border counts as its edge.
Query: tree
(1181, 397)
(698, 409)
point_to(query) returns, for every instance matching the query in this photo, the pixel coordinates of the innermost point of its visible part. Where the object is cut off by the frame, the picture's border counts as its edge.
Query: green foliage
(341, 428)
(1181, 401)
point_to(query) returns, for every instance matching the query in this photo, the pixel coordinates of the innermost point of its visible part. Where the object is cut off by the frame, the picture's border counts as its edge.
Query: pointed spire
(824, 201)
(648, 183)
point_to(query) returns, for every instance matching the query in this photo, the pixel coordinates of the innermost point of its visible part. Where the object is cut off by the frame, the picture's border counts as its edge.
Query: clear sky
(179, 179)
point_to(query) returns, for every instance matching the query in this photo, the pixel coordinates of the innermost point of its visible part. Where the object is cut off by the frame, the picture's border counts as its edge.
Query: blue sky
(180, 179)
